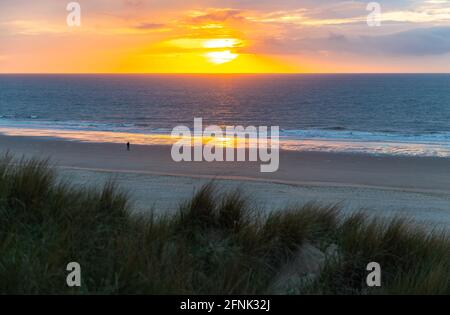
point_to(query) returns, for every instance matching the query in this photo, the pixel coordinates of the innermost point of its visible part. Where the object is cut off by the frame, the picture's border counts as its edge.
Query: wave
(334, 139)
(330, 133)
(434, 137)
(36, 123)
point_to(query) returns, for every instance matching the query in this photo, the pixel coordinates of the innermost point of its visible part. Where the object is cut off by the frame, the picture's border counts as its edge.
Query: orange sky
(174, 36)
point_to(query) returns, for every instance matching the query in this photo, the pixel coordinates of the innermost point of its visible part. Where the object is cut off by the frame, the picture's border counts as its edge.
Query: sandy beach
(417, 188)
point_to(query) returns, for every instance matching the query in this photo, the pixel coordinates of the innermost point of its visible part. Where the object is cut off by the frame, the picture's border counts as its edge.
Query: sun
(224, 56)
(220, 57)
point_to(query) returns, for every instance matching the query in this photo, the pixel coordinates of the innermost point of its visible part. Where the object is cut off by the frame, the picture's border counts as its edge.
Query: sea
(381, 114)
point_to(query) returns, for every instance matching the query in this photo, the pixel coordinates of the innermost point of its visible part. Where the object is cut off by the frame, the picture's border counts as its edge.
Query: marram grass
(217, 243)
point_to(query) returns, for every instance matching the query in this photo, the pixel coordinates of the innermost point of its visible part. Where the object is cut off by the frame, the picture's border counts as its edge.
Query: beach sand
(413, 187)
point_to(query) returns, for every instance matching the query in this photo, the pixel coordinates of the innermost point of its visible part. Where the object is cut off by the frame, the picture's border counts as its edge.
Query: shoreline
(304, 142)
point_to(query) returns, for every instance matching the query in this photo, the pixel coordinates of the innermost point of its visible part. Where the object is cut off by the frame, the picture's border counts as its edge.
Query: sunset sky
(217, 36)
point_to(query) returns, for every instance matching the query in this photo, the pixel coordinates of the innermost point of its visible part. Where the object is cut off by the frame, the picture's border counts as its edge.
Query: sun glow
(206, 41)
(220, 57)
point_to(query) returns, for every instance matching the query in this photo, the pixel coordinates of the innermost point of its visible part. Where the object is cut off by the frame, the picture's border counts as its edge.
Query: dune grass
(217, 243)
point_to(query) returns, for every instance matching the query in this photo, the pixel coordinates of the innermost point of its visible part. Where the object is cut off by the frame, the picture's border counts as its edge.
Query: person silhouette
(128, 146)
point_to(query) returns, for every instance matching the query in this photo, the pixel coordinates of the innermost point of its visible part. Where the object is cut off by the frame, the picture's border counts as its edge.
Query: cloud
(133, 3)
(150, 26)
(215, 15)
(33, 27)
(352, 12)
(416, 42)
